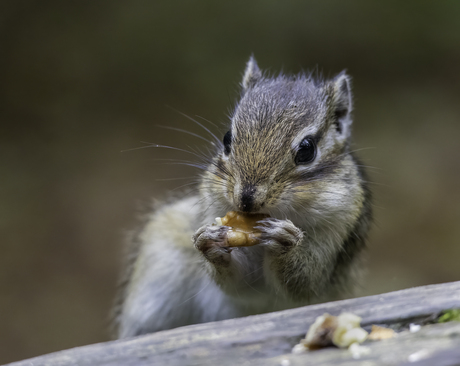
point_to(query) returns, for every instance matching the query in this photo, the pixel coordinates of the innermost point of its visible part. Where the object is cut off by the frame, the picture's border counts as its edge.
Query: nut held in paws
(242, 232)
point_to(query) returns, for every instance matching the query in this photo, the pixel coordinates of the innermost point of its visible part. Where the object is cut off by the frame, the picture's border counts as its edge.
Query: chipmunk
(287, 155)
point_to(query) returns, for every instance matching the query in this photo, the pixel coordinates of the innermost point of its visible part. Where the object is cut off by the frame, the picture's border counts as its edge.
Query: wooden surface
(267, 339)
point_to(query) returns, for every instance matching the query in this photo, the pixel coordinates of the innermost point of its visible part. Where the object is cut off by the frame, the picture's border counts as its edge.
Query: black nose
(247, 198)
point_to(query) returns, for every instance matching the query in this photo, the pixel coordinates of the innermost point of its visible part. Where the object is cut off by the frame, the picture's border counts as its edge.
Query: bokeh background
(80, 81)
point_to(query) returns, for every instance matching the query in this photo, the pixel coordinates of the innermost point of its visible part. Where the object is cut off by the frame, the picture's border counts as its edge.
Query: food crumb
(348, 330)
(327, 330)
(378, 333)
(299, 349)
(285, 362)
(357, 350)
(413, 328)
(344, 336)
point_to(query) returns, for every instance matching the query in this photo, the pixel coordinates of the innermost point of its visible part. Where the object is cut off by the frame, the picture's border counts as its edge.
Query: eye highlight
(307, 151)
(227, 142)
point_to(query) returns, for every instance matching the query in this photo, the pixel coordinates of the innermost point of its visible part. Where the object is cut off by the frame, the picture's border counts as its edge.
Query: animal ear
(251, 75)
(342, 103)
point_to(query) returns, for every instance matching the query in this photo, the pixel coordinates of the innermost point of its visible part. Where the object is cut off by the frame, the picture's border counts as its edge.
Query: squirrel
(287, 154)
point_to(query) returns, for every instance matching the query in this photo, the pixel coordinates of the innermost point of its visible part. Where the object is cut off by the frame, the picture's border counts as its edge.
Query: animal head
(287, 143)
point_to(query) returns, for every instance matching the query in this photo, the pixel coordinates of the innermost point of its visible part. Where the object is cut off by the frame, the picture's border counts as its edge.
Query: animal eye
(227, 142)
(307, 151)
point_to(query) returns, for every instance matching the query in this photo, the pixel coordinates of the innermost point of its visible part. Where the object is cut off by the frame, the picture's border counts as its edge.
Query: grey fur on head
(295, 97)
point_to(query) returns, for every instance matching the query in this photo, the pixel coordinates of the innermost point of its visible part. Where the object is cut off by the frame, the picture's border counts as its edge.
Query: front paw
(211, 241)
(279, 236)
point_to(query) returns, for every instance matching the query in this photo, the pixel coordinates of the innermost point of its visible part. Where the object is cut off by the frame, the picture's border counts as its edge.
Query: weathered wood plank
(433, 345)
(264, 339)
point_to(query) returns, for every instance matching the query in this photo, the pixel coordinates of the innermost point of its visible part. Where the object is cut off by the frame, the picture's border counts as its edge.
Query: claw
(211, 241)
(279, 233)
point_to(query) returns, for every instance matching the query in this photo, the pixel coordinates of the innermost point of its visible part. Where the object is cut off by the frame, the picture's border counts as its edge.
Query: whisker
(172, 179)
(199, 124)
(296, 184)
(194, 165)
(151, 144)
(184, 131)
(207, 120)
(356, 150)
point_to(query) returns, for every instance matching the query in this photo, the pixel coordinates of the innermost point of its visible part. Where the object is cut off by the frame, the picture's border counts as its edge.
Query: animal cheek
(303, 194)
(229, 190)
(260, 198)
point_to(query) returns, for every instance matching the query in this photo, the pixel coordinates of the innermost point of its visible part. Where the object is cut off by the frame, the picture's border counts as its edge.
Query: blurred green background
(82, 80)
